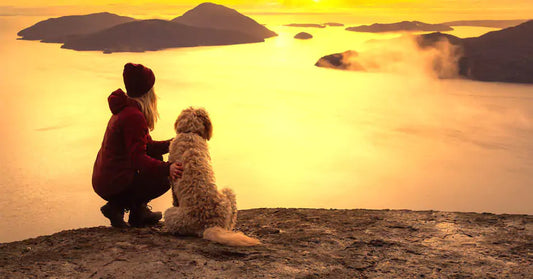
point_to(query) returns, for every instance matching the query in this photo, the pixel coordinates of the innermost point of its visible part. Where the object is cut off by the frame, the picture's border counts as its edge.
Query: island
(207, 24)
(296, 243)
(486, 23)
(404, 26)
(306, 25)
(57, 30)
(505, 55)
(333, 24)
(214, 16)
(303, 36)
(502, 56)
(341, 61)
(155, 34)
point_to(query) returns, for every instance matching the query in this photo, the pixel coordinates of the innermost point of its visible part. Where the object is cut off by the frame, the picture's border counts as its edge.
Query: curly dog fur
(199, 208)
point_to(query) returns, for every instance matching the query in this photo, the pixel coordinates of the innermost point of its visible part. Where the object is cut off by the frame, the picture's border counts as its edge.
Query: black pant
(143, 189)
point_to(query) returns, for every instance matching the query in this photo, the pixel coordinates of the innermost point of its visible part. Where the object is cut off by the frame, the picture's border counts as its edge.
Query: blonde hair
(148, 103)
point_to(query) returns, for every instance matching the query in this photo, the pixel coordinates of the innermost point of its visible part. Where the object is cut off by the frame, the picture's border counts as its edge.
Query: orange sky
(467, 9)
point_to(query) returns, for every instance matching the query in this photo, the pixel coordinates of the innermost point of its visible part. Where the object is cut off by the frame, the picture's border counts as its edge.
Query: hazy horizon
(384, 10)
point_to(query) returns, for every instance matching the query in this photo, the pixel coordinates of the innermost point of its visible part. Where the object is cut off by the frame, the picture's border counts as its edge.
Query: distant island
(209, 15)
(58, 30)
(341, 61)
(486, 23)
(303, 36)
(503, 55)
(307, 25)
(407, 26)
(314, 25)
(207, 24)
(333, 24)
(297, 243)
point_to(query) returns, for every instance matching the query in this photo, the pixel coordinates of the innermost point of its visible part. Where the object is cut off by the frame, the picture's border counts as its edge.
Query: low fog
(403, 55)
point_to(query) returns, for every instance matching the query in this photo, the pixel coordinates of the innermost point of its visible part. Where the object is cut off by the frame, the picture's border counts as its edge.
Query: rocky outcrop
(404, 26)
(297, 243)
(209, 15)
(303, 36)
(486, 23)
(57, 30)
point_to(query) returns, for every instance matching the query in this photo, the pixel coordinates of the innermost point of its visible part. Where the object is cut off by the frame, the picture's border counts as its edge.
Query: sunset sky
(489, 9)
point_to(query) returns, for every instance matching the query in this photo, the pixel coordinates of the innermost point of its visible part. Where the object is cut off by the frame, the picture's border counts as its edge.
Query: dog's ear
(184, 123)
(202, 114)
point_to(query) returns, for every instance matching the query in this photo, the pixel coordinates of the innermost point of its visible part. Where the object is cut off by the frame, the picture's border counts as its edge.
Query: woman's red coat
(126, 148)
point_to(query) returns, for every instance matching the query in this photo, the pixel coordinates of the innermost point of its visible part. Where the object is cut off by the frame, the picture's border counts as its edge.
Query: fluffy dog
(199, 208)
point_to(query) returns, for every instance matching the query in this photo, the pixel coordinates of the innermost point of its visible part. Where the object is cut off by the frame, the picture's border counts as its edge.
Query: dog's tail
(230, 195)
(231, 238)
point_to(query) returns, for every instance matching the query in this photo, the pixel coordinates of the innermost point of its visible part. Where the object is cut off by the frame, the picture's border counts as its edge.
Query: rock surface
(209, 15)
(57, 30)
(297, 243)
(410, 26)
(486, 23)
(303, 36)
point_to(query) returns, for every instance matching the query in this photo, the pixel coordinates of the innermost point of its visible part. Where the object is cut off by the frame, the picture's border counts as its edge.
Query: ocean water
(286, 133)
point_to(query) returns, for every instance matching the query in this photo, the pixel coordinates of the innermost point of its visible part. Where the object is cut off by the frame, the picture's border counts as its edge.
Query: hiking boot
(141, 216)
(115, 214)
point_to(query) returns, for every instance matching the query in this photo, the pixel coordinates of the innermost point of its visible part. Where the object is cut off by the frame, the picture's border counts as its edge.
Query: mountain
(209, 15)
(412, 26)
(505, 55)
(155, 34)
(57, 30)
(431, 39)
(486, 23)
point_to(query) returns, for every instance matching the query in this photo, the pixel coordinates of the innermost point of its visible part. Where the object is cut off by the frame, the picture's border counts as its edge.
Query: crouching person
(129, 170)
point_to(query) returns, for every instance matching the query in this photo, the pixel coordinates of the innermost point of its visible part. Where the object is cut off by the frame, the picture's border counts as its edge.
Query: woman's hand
(176, 170)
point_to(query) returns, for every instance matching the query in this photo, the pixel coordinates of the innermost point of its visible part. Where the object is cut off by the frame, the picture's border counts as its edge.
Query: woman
(129, 170)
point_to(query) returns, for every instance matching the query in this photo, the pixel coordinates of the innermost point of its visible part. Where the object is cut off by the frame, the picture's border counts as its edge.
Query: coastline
(310, 243)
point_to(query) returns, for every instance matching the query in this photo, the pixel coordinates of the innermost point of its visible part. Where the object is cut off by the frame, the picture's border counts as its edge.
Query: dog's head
(196, 121)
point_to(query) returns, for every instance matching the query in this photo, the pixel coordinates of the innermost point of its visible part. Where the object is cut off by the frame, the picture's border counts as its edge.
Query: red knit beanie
(138, 79)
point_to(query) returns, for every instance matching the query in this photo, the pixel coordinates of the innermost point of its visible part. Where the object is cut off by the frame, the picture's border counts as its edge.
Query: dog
(199, 208)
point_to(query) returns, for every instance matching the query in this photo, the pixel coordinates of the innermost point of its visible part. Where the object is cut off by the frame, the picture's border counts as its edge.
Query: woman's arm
(156, 149)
